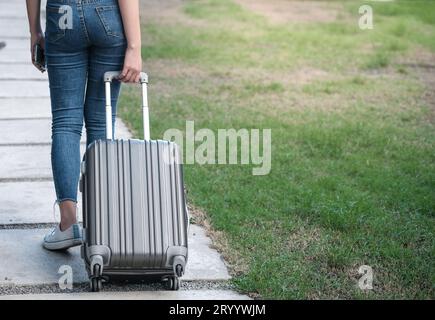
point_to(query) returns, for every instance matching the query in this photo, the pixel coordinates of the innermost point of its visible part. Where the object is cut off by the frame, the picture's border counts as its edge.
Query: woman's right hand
(36, 38)
(132, 65)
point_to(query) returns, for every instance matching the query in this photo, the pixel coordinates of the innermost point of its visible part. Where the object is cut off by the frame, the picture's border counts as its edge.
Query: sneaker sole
(62, 245)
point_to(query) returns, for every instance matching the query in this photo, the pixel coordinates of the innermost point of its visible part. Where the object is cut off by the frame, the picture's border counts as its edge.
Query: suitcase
(135, 218)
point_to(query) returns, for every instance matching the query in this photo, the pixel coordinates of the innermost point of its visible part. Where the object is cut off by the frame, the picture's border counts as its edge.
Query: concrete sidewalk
(27, 192)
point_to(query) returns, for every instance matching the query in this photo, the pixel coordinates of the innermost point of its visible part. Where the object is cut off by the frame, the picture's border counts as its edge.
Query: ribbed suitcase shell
(134, 207)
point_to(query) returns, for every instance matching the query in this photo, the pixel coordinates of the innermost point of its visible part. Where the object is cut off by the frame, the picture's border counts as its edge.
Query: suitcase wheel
(173, 283)
(96, 284)
(179, 270)
(96, 280)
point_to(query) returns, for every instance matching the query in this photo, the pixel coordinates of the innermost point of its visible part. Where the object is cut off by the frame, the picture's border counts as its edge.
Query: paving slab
(24, 89)
(25, 71)
(25, 131)
(204, 263)
(31, 131)
(14, 9)
(25, 262)
(15, 56)
(12, 108)
(26, 162)
(136, 295)
(14, 26)
(16, 43)
(29, 202)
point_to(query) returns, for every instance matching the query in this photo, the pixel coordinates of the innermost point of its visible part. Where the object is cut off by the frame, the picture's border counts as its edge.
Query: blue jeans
(84, 39)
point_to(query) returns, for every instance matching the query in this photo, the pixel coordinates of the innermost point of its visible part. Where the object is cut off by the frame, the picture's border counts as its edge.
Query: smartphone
(39, 57)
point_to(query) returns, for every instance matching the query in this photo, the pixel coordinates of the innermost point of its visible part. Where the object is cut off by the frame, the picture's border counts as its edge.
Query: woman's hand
(132, 66)
(36, 38)
(133, 60)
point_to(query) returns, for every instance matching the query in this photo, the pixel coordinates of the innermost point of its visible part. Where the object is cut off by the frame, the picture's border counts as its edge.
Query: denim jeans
(84, 39)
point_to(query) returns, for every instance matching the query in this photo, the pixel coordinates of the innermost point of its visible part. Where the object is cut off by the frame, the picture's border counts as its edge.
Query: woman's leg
(101, 60)
(107, 53)
(67, 74)
(95, 112)
(67, 63)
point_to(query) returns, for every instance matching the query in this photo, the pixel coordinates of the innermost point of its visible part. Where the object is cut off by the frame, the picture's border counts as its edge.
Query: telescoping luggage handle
(108, 78)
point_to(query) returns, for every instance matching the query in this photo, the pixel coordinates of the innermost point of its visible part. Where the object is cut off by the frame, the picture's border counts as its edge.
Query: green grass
(353, 157)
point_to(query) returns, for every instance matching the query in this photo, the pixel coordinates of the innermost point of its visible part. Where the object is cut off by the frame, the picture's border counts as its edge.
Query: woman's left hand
(132, 66)
(36, 38)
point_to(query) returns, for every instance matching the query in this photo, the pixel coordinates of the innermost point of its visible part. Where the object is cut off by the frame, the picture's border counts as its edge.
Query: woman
(83, 39)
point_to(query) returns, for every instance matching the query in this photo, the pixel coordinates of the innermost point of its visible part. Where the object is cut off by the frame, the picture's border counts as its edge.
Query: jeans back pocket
(56, 23)
(111, 20)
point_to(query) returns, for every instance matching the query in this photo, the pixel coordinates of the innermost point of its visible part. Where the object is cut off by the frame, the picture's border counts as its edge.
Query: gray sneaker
(61, 240)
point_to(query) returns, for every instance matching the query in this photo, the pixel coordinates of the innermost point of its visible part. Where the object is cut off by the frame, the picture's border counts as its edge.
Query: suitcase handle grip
(108, 78)
(110, 75)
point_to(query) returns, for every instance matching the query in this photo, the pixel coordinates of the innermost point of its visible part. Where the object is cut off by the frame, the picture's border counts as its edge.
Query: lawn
(352, 115)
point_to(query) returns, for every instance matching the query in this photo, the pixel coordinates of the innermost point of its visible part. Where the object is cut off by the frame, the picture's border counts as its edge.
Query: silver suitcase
(135, 217)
